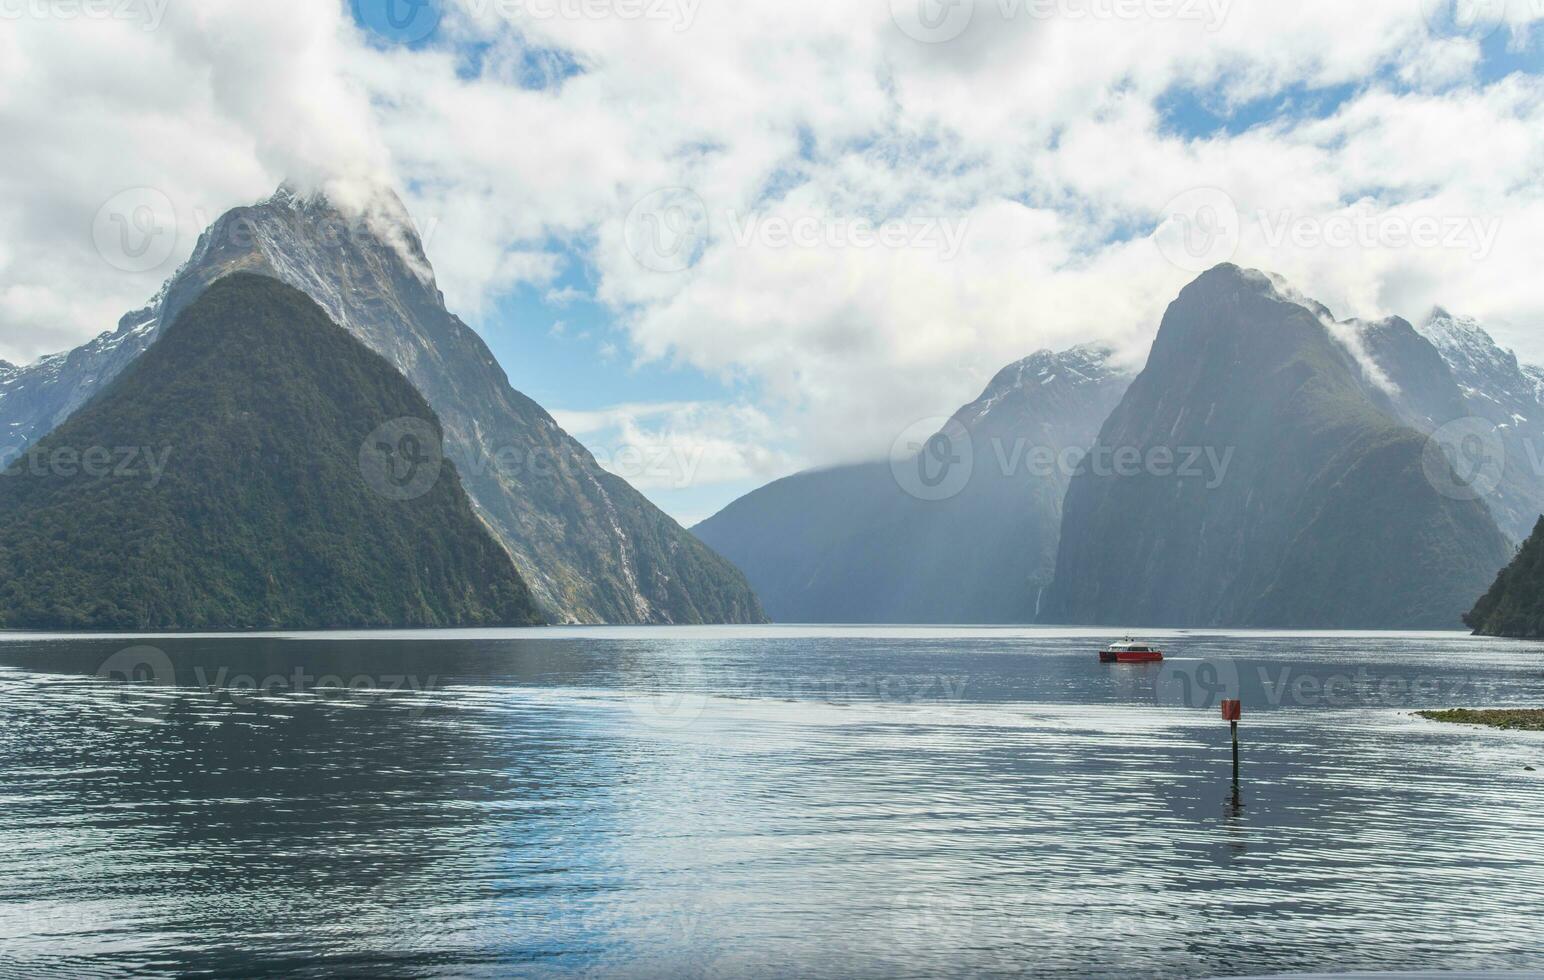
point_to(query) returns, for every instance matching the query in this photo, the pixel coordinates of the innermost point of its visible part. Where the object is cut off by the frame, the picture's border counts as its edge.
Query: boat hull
(1130, 656)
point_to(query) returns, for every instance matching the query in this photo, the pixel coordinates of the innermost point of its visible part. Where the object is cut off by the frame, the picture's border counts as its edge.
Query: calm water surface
(763, 802)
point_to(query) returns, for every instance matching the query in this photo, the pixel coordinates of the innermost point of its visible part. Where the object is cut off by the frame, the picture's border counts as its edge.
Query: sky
(726, 240)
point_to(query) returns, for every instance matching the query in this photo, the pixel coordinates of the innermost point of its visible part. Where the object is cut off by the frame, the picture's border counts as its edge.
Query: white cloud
(1042, 135)
(680, 445)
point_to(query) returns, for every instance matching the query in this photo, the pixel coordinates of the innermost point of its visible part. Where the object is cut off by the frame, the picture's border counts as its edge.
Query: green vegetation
(1514, 606)
(1514, 719)
(262, 518)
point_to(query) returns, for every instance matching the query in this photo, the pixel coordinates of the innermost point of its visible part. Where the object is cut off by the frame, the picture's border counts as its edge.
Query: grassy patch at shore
(1515, 719)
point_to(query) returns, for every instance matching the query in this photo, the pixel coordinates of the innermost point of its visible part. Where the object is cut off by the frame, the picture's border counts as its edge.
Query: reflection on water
(762, 803)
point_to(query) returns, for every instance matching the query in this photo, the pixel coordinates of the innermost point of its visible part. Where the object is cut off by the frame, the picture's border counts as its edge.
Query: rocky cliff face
(962, 531)
(591, 547)
(1309, 503)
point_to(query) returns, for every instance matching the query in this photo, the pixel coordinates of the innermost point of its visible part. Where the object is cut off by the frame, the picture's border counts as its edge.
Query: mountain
(218, 484)
(1410, 373)
(1514, 606)
(1448, 378)
(591, 547)
(865, 543)
(1309, 504)
(1493, 386)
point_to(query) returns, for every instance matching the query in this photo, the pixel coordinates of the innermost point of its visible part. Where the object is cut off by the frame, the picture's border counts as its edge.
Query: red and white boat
(1129, 651)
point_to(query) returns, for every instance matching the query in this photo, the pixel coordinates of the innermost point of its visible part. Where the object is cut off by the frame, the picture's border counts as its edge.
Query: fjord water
(763, 802)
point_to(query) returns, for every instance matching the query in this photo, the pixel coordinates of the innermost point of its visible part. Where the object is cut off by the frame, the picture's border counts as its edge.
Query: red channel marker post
(1232, 711)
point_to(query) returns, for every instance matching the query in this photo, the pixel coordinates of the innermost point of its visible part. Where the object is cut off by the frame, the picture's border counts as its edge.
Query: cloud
(529, 139)
(211, 108)
(680, 445)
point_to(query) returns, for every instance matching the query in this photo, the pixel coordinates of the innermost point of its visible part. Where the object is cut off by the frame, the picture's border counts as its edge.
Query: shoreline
(1506, 719)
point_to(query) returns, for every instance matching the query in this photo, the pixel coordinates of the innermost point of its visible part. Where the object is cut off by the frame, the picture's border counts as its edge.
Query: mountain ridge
(590, 546)
(1242, 364)
(866, 543)
(261, 513)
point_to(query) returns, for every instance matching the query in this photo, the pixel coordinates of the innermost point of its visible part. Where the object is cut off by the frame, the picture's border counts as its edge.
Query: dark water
(770, 802)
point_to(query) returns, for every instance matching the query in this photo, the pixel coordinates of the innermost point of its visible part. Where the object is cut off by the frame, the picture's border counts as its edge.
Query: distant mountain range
(221, 482)
(1331, 510)
(1270, 466)
(872, 543)
(591, 548)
